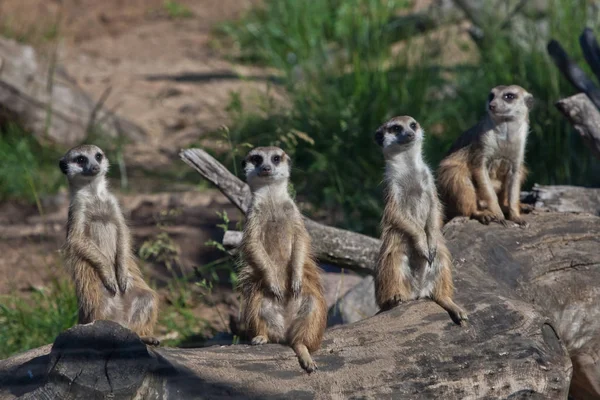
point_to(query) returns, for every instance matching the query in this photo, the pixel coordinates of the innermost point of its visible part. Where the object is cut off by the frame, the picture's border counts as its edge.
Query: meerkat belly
(498, 169)
(104, 235)
(103, 230)
(278, 241)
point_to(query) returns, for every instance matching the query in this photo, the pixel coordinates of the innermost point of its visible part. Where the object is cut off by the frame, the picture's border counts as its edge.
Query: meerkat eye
(276, 159)
(98, 157)
(81, 160)
(491, 97)
(256, 159)
(396, 128)
(413, 125)
(509, 96)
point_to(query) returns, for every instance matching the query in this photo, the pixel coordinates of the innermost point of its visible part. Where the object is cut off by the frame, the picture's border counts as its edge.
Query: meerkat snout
(266, 164)
(398, 132)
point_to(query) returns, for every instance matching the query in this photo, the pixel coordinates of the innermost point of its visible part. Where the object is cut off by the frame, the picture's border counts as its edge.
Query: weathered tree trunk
(585, 118)
(45, 101)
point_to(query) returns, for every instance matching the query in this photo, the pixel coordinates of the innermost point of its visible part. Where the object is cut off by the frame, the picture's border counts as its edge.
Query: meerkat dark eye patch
(413, 126)
(491, 97)
(98, 157)
(81, 160)
(396, 128)
(256, 160)
(509, 97)
(276, 159)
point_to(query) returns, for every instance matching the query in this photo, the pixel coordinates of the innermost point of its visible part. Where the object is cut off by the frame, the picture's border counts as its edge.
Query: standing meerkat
(108, 282)
(414, 261)
(481, 176)
(279, 281)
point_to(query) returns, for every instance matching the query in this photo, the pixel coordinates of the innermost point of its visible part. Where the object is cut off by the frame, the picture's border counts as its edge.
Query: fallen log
(585, 118)
(45, 101)
(553, 264)
(508, 350)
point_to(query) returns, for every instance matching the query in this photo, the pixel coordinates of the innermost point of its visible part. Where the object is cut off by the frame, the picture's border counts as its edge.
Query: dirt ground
(166, 76)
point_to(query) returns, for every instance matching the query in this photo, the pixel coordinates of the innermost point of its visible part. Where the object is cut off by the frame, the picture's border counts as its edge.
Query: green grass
(28, 169)
(36, 321)
(176, 10)
(343, 80)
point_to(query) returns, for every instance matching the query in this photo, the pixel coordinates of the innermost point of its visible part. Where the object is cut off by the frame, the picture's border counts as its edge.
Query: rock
(64, 113)
(357, 304)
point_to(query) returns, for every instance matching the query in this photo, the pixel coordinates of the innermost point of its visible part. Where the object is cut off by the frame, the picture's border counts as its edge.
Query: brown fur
(477, 176)
(108, 282)
(413, 261)
(279, 281)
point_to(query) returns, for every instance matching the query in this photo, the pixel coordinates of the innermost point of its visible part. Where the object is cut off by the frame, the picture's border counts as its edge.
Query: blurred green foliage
(34, 322)
(28, 170)
(344, 75)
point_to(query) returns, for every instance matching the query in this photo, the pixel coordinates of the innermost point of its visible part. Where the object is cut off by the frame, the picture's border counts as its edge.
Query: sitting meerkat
(481, 176)
(414, 261)
(280, 283)
(98, 254)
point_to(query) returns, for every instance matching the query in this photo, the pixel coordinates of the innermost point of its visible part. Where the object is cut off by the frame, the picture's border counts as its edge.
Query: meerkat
(414, 261)
(279, 281)
(481, 176)
(108, 282)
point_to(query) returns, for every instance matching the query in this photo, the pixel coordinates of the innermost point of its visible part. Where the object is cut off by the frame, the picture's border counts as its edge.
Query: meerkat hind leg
(306, 330)
(444, 289)
(304, 358)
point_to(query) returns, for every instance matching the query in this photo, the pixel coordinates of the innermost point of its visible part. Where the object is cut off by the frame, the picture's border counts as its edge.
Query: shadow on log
(45, 101)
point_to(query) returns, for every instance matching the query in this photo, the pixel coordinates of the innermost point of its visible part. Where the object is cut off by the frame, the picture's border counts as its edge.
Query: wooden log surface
(508, 350)
(45, 101)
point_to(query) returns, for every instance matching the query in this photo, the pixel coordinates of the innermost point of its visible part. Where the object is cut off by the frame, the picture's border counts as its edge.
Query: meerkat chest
(411, 192)
(102, 228)
(507, 142)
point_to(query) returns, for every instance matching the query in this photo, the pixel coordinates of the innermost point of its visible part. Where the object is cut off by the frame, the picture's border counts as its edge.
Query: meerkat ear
(62, 163)
(529, 101)
(379, 137)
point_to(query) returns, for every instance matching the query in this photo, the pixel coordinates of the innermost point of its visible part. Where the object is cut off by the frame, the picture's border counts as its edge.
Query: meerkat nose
(492, 106)
(265, 168)
(95, 169)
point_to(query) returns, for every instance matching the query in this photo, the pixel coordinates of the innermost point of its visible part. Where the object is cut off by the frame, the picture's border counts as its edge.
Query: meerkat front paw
(276, 291)
(258, 340)
(111, 285)
(123, 282)
(296, 287)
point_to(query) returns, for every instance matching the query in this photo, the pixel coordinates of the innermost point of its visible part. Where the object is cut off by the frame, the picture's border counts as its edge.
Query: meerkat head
(506, 103)
(266, 165)
(398, 134)
(84, 163)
